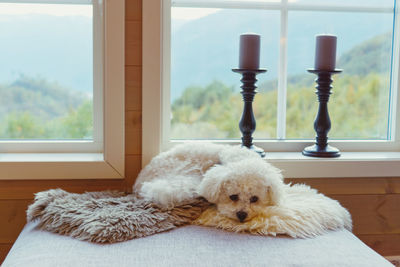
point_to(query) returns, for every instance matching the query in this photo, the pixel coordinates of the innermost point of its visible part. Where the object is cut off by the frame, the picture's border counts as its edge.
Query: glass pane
(46, 71)
(359, 104)
(361, 3)
(205, 94)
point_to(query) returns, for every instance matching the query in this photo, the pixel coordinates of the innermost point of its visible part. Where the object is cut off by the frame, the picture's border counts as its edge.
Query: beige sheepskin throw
(107, 217)
(302, 213)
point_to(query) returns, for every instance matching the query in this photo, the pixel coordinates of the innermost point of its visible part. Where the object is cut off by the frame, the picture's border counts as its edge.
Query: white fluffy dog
(242, 190)
(236, 179)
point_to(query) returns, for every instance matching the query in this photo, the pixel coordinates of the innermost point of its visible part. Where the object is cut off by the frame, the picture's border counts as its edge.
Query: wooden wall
(373, 202)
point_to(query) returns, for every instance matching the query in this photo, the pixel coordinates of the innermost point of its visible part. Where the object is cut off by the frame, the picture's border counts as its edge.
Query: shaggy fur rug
(107, 217)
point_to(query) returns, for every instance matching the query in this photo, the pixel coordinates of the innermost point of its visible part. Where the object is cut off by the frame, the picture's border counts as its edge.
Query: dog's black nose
(241, 215)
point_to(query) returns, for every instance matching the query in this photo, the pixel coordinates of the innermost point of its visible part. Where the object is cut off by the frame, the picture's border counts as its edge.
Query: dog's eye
(253, 199)
(234, 197)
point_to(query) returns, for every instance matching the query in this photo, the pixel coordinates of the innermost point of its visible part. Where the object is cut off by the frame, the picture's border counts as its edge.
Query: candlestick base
(257, 149)
(321, 152)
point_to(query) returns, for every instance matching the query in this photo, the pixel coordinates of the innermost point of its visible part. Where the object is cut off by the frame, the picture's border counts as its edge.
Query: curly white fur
(173, 177)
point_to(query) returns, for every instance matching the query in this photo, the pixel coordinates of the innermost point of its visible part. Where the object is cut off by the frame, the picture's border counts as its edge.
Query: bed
(192, 246)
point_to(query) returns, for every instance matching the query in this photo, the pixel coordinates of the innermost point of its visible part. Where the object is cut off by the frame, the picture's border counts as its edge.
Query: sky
(183, 13)
(50, 9)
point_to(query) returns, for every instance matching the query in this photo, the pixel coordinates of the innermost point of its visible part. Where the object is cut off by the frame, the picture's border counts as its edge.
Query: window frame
(102, 158)
(286, 154)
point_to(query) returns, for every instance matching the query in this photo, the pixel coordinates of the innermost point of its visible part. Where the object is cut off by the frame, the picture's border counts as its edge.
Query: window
(200, 98)
(62, 89)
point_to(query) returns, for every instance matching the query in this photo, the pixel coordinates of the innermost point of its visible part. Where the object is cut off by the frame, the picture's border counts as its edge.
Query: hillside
(37, 109)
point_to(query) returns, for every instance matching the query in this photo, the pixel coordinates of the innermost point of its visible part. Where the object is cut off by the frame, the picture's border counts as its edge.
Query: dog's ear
(274, 181)
(212, 182)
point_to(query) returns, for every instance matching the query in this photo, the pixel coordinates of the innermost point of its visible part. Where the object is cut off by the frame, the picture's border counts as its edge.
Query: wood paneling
(384, 244)
(373, 214)
(13, 211)
(133, 133)
(25, 189)
(133, 165)
(133, 43)
(4, 248)
(353, 186)
(133, 10)
(133, 88)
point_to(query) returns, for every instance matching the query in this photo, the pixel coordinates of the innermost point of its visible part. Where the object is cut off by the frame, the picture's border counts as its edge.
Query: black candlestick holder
(322, 123)
(247, 124)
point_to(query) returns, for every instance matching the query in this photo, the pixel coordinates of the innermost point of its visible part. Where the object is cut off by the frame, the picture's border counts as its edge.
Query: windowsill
(49, 166)
(51, 157)
(349, 164)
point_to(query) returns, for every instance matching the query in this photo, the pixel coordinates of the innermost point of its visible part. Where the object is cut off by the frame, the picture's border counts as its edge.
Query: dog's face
(242, 200)
(242, 190)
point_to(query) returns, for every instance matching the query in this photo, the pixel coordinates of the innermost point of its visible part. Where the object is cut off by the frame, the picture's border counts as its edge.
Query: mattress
(192, 246)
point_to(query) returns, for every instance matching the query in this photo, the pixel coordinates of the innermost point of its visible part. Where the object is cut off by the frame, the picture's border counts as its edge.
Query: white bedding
(192, 246)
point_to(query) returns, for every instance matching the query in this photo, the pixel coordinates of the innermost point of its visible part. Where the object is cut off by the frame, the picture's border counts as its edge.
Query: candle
(249, 55)
(325, 52)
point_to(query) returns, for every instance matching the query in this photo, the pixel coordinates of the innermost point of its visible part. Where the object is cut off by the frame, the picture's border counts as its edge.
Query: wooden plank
(133, 133)
(133, 43)
(25, 189)
(133, 88)
(352, 186)
(4, 249)
(133, 32)
(132, 167)
(133, 10)
(133, 55)
(133, 139)
(13, 219)
(386, 245)
(373, 214)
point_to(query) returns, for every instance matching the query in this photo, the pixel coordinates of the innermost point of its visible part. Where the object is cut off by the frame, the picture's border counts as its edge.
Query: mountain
(206, 49)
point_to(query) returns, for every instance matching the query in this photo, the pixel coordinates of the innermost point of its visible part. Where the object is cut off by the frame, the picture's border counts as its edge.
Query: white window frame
(104, 156)
(360, 158)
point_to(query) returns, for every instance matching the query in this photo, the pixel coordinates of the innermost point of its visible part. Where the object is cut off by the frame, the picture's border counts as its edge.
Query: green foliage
(79, 123)
(358, 109)
(36, 109)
